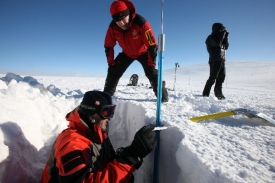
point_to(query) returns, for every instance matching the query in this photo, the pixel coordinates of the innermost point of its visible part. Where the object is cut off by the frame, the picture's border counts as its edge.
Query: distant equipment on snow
(133, 80)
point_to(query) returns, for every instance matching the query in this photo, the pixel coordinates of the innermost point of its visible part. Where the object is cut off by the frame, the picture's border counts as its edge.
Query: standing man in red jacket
(136, 38)
(83, 152)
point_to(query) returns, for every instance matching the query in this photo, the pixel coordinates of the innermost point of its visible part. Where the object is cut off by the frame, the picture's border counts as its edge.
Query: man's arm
(225, 41)
(149, 40)
(109, 45)
(79, 166)
(215, 40)
(115, 172)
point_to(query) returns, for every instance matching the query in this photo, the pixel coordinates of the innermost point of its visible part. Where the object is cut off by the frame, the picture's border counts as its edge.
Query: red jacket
(135, 41)
(80, 155)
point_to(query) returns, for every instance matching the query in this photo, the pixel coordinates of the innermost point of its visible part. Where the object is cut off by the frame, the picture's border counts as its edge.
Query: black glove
(223, 29)
(226, 34)
(144, 142)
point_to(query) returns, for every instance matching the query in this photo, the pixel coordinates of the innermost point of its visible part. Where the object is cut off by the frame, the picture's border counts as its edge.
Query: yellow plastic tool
(246, 112)
(213, 116)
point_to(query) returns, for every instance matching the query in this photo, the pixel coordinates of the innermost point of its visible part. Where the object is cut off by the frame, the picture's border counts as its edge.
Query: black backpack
(133, 80)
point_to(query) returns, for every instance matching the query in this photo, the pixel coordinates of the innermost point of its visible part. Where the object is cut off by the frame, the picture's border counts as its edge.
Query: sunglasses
(107, 111)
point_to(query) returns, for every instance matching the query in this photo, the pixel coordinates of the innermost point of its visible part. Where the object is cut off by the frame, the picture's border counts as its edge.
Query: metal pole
(176, 66)
(159, 97)
(226, 80)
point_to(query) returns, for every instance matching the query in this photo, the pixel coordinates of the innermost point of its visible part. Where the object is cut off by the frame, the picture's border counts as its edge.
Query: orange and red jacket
(81, 155)
(135, 41)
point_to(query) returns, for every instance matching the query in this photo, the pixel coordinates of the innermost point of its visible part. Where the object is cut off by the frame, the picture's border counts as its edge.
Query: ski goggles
(107, 111)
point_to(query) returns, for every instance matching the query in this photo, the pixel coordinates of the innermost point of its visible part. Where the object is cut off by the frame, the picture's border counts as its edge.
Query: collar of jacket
(75, 122)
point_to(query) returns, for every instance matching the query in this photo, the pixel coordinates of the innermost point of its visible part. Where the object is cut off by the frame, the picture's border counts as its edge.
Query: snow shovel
(246, 112)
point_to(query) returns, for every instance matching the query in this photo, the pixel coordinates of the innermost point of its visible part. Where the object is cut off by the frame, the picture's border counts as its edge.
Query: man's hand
(112, 63)
(223, 29)
(144, 142)
(226, 34)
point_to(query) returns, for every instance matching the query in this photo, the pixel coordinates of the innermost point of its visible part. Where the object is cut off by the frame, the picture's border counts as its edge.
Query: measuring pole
(176, 66)
(161, 40)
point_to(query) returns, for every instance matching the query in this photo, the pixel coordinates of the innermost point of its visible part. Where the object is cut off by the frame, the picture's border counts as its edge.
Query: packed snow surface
(224, 150)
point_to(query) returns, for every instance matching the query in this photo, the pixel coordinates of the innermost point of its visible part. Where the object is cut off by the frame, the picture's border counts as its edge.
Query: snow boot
(164, 94)
(206, 91)
(219, 94)
(221, 97)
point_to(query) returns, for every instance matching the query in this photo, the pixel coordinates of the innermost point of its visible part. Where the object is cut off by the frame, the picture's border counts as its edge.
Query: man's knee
(151, 73)
(220, 79)
(210, 81)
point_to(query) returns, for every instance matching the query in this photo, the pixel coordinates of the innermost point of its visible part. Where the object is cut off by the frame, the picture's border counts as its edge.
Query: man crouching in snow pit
(83, 152)
(136, 38)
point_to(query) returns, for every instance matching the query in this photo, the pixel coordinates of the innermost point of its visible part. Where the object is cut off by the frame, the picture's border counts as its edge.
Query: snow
(231, 149)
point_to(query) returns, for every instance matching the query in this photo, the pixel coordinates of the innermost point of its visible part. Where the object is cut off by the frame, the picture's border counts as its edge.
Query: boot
(218, 93)
(206, 91)
(164, 94)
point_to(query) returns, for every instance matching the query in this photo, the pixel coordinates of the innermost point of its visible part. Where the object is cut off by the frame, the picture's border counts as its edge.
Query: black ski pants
(122, 63)
(217, 74)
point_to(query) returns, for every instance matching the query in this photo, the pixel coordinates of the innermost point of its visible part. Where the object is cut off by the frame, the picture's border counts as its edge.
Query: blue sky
(66, 37)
